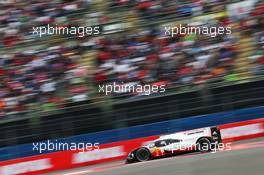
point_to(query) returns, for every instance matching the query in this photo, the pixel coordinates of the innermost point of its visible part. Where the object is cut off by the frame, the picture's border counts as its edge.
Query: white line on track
(79, 172)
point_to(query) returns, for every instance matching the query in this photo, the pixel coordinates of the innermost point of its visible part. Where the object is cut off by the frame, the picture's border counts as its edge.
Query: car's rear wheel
(143, 154)
(204, 145)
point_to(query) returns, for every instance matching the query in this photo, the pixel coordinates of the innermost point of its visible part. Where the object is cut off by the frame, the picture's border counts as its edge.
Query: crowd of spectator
(18, 17)
(50, 77)
(149, 57)
(43, 78)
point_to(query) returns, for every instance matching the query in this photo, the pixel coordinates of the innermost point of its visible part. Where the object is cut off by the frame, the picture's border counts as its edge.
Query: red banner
(242, 130)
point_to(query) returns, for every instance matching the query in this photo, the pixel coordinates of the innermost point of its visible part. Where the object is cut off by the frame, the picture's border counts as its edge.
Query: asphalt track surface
(245, 158)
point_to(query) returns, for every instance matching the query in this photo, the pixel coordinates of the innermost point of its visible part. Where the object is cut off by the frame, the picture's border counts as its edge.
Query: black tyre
(204, 145)
(143, 154)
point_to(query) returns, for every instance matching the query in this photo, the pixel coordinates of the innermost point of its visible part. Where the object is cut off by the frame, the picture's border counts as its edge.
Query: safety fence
(116, 135)
(85, 119)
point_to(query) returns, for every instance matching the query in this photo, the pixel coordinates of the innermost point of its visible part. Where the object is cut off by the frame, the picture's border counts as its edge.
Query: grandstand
(54, 72)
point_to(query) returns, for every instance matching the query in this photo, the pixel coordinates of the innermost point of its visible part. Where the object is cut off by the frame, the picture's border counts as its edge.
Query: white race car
(203, 140)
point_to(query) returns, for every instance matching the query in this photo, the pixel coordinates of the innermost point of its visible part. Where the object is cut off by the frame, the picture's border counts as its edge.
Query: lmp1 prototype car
(203, 140)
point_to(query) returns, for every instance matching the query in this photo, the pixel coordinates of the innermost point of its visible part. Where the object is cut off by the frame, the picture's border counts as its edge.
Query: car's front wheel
(143, 154)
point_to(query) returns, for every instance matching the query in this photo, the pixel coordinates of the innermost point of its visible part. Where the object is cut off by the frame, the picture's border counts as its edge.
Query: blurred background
(49, 85)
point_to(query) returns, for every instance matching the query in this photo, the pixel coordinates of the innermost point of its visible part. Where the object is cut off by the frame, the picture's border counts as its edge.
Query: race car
(202, 140)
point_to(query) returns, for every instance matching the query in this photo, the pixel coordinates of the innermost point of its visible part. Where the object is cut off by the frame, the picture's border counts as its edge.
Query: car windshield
(161, 143)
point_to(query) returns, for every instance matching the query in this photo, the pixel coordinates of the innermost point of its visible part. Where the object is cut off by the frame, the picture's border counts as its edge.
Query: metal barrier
(139, 132)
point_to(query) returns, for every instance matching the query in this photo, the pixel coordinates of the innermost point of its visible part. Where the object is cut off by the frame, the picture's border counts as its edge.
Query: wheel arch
(204, 137)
